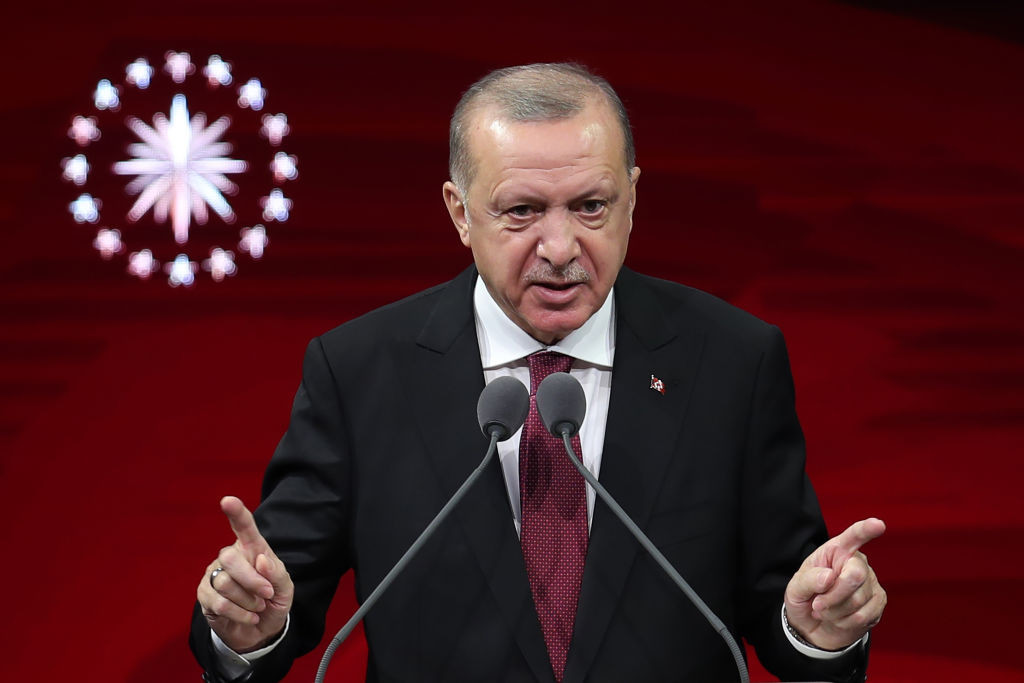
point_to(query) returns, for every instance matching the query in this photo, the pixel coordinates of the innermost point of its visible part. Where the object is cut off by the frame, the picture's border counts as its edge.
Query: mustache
(570, 274)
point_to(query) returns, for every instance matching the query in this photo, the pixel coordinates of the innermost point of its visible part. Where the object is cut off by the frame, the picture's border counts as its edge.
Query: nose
(556, 242)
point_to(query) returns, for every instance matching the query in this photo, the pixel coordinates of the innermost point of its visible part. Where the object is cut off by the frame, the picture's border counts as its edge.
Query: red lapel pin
(657, 385)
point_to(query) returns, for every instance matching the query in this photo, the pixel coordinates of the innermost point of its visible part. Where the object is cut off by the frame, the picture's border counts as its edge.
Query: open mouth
(557, 286)
(556, 293)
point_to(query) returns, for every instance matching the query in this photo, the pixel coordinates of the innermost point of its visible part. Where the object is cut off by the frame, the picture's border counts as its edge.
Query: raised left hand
(835, 598)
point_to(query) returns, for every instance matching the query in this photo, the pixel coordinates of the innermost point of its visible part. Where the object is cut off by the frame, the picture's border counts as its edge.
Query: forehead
(501, 146)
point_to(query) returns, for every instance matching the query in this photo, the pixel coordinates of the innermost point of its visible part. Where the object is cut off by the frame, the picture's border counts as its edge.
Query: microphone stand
(347, 629)
(566, 430)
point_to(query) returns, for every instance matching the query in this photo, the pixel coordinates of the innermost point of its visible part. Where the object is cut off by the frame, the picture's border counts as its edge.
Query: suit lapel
(447, 379)
(639, 440)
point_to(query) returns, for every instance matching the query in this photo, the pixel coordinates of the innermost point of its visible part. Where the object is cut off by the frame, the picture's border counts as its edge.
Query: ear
(457, 210)
(634, 176)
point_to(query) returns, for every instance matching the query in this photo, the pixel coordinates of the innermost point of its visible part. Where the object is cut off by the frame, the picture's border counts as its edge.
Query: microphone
(501, 410)
(502, 407)
(562, 406)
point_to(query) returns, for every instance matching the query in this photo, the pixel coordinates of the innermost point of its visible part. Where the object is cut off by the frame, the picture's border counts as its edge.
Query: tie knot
(543, 363)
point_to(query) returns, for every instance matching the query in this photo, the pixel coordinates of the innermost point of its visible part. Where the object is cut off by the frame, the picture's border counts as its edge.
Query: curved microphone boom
(501, 411)
(562, 406)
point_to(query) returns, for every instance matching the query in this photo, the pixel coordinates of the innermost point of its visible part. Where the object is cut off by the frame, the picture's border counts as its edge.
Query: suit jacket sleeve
(303, 515)
(780, 523)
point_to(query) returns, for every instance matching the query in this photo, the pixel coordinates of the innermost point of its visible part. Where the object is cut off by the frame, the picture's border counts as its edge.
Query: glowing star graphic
(141, 264)
(253, 240)
(275, 206)
(179, 65)
(76, 169)
(107, 96)
(139, 73)
(251, 94)
(275, 128)
(85, 209)
(181, 272)
(283, 167)
(180, 169)
(220, 264)
(108, 243)
(217, 71)
(83, 130)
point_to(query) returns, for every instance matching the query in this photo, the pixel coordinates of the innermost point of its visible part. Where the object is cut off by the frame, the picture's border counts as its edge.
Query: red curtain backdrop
(853, 175)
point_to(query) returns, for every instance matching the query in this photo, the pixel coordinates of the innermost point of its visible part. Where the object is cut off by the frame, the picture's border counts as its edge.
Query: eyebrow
(604, 185)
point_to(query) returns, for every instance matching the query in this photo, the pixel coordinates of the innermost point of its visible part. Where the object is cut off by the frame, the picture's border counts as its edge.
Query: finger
(219, 607)
(229, 588)
(243, 524)
(854, 574)
(809, 582)
(238, 568)
(855, 536)
(856, 601)
(215, 606)
(865, 618)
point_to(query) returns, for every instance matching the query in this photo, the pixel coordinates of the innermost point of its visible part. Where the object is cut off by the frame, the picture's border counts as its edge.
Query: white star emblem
(76, 169)
(274, 128)
(220, 264)
(180, 169)
(83, 130)
(217, 71)
(283, 167)
(141, 264)
(251, 94)
(179, 65)
(85, 209)
(253, 240)
(108, 243)
(181, 272)
(139, 73)
(106, 96)
(275, 206)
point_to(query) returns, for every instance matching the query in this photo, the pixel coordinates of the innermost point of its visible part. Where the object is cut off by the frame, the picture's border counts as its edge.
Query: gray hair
(534, 92)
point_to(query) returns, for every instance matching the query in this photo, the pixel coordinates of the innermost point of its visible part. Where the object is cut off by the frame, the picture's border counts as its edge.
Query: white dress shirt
(504, 347)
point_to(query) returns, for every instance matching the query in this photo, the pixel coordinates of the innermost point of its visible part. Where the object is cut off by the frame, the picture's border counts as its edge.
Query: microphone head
(561, 403)
(502, 407)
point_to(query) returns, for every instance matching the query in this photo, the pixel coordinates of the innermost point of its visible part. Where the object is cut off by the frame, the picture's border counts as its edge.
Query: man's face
(548, 215)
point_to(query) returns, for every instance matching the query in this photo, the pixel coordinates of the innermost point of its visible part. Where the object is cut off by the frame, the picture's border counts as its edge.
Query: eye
(521, 211)
(592, 207)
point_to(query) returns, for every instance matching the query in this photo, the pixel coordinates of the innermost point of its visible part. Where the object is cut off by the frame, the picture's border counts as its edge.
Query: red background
(851, 174)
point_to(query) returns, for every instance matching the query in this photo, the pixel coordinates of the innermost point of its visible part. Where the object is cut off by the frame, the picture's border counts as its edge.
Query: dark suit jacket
(383, 431)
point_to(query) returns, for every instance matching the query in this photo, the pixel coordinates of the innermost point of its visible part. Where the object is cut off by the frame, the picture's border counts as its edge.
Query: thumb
(273, 570)
(809, 582)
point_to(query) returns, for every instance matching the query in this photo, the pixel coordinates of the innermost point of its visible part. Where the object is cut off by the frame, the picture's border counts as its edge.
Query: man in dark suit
(691, 426)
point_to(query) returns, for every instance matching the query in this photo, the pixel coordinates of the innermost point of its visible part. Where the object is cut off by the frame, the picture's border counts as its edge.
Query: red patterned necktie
(554, 528)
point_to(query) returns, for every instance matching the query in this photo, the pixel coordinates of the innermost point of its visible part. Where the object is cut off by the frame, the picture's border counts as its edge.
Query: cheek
(503, 259)
(603, 252)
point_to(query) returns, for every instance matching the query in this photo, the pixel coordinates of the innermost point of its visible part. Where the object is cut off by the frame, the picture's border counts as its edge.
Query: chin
(550, 330)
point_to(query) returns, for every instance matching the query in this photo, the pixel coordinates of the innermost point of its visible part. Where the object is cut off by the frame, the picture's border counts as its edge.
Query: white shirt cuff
(814, 652)
(233, 664)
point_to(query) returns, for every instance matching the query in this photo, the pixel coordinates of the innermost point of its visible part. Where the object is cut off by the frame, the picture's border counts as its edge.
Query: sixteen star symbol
(180, 168)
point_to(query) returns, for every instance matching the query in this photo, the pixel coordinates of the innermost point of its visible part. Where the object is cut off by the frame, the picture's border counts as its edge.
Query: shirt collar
(502, 341)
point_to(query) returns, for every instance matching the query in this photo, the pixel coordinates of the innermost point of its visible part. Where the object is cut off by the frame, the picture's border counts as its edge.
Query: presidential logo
(169, 188)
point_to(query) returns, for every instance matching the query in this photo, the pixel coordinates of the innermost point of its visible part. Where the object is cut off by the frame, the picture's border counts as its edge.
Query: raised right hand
(248, 601)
